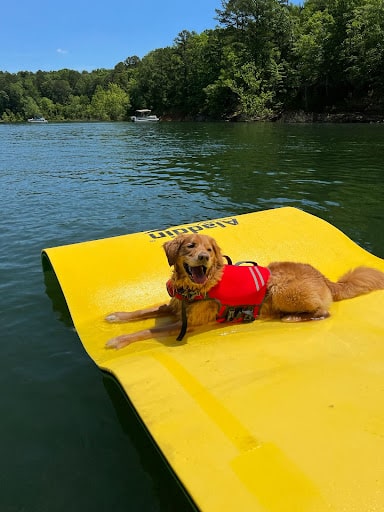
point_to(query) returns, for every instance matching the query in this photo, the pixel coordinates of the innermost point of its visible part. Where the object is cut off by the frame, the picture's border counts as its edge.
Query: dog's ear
(217, 251)
(172, 248)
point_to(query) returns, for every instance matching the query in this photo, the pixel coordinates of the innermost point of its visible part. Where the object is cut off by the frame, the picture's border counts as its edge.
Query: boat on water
(37, 119)
(264, 416)
(144, 116)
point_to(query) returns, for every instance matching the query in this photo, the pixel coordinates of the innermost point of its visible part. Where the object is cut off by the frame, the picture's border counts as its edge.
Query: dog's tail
(356, 282)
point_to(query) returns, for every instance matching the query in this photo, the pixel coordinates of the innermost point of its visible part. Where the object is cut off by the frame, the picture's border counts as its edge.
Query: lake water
(69, 442)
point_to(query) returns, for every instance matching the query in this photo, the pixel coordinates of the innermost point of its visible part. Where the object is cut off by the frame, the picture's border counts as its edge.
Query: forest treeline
(264, 58)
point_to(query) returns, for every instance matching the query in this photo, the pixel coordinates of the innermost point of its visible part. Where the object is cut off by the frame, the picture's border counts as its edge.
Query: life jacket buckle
(237, 314)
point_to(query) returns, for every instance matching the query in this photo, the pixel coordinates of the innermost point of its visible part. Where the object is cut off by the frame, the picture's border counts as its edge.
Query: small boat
(144, 116)
(37, 119)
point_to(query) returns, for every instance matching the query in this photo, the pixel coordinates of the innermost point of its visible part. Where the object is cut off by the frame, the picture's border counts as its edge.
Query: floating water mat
(265, 416)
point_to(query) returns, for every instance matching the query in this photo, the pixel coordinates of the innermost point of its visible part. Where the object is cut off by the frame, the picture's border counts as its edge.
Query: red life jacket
(240, 292)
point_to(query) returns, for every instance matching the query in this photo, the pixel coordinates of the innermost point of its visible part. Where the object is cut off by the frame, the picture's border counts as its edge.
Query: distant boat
(144, 116)
(37, 119)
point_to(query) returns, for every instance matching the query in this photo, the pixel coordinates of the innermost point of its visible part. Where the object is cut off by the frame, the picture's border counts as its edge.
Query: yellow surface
(265, 416)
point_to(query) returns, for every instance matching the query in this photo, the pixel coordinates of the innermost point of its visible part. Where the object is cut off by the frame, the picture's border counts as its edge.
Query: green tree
(153, 86)
(16, 96)
(260, 33)
(111, 104)
(4, 101)
(312, 49)
(48, 108)
(77, 108)
(200, 59)
(261, 25)
(363, 49)
(29, 107)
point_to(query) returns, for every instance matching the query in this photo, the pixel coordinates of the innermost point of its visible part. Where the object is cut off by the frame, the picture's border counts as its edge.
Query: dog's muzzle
(197, 274)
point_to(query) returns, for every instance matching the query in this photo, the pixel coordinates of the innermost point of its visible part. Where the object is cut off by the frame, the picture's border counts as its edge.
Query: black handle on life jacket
(248, 262)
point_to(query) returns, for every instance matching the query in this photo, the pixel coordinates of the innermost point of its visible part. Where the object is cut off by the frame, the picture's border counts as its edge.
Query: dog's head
(197, 259)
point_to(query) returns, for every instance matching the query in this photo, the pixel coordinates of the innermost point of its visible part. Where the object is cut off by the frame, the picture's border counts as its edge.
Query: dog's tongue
(198, 274)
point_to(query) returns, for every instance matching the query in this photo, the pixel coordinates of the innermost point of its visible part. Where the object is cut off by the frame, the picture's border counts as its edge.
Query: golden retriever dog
(204, 289)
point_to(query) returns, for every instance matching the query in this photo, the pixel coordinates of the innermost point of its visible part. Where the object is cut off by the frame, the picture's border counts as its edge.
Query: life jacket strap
(184, 321)
(184, 317)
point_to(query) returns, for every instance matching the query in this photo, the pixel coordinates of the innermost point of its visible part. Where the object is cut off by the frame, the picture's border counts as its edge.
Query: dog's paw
(305, 317)
(121, 341)
(112, 318)
(118, 342)
(112, 343)
(293, 318)
(115, 318)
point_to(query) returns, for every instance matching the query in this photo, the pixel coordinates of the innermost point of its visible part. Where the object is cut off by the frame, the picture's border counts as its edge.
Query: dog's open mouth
(196, 274)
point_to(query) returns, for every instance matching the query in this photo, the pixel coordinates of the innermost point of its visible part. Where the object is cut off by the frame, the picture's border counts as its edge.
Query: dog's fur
(295, 291)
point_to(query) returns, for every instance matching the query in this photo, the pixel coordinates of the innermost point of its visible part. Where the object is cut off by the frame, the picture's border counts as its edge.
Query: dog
(205, 289)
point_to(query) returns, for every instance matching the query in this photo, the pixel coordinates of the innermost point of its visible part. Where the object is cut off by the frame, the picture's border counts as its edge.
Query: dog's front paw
(112, 343)
(115, 318)
(112, 318)
(126, 339)
(119, 341)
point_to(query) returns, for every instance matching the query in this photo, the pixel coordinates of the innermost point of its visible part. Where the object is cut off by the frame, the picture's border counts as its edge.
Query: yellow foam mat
(264, 416)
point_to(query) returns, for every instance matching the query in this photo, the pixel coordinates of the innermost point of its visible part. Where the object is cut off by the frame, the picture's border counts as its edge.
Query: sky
(85, 35)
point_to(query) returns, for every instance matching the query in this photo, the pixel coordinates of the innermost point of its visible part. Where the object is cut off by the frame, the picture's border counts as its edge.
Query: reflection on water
(103, 179)
(65, 183)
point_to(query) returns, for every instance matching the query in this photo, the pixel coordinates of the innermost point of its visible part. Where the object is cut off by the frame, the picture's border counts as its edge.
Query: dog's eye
(209, 249)
(191, 245)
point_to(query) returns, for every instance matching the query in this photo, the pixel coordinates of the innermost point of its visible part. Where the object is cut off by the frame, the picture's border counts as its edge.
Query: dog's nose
(203, 257)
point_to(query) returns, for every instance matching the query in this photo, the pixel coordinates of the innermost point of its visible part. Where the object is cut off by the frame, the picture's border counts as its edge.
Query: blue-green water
(68, 444)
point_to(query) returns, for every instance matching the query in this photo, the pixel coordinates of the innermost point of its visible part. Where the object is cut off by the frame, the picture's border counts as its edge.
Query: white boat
(37, 119)
(144, 116)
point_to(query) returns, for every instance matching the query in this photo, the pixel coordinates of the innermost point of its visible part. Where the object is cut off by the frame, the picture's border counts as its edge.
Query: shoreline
(294, 116)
